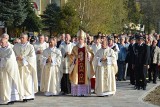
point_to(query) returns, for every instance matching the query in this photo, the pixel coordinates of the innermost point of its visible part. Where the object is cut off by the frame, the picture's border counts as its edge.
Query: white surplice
(105, 72)
(115, 48)
(27, 68)
(95, 48)
(65, 59)
(10, 84)
(10, 45)
(40, 47)
(51, 77)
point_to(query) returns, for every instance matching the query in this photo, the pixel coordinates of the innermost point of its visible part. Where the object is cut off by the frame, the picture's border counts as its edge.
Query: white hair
(24, 34)
(5, 35)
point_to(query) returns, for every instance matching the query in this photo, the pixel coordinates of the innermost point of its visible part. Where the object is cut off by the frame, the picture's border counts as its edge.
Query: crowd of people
(77, 65)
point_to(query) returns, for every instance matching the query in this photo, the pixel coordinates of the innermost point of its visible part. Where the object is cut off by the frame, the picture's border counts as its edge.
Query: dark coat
(58, 43)
(131, 54)
(142, 54)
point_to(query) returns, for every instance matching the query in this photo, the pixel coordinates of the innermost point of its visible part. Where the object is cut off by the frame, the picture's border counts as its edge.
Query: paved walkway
(126, 96)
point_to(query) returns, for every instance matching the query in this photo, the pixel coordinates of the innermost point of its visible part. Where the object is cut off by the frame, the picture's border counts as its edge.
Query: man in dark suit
(130, 60)
(141, 63)
(62, 36)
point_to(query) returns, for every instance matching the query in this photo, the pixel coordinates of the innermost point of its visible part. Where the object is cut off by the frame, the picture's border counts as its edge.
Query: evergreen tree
(13, 13)
(51, 18)
(69, 20)
(32, 22)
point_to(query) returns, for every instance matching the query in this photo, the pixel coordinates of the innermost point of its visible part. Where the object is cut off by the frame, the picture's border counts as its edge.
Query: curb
(141, 99)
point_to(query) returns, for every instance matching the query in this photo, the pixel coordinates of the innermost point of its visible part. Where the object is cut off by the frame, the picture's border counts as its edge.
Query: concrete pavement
(126, 96)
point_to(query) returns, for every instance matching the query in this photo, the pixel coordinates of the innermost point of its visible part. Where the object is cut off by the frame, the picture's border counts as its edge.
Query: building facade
(40, 5)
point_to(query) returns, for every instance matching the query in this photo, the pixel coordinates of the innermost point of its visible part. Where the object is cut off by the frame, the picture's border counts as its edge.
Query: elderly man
(39, 47)
(51, 76)
(154, 61)
(10, 85)
(26, 59)
(66, 49)
(81, 69)
(6, 36)
(106, 69)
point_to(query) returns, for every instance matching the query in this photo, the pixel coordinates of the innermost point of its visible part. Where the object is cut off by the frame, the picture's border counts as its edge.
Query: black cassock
(65, 84)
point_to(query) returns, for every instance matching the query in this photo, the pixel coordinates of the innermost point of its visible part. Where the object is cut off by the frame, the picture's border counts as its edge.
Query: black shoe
(144, 88)
(119, 80)
(25, 100)
(138, 87)
(62, 93)
(148, 81)
(31, 99)
(10, 103)
(154, 82)
(135, 87)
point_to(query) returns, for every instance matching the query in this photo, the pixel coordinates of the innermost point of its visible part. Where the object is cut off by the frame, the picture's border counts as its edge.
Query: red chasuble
(81, 65)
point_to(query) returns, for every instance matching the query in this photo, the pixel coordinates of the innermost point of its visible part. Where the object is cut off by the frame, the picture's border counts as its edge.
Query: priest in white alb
(25, 55)
(106, 69)
(51, 76)
(66, 49)
(10, 85)
(39, 47)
